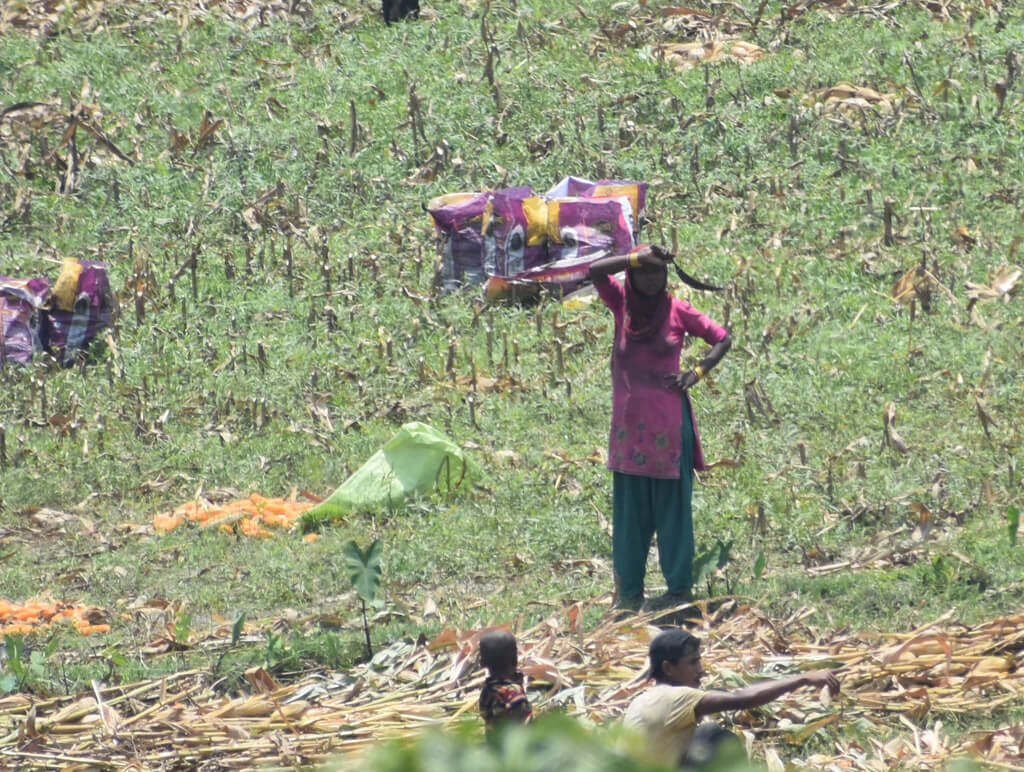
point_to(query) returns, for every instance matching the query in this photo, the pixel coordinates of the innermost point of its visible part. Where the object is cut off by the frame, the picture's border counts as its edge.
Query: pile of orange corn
(251, 516)
(37, 615)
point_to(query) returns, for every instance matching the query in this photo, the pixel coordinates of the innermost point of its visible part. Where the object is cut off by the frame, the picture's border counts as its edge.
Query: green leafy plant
(13, 648)
(115, 660)
(236, 628)
(280, 654)
(553, 743)
(24, 669)
(759, 564)
(236, 634)
(1012, 524)
(183, 627)
(705, 565)
(364, 570)
(944, 571)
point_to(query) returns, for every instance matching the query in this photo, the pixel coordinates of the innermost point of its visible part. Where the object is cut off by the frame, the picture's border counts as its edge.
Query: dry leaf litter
(45, 18)
(896, 688)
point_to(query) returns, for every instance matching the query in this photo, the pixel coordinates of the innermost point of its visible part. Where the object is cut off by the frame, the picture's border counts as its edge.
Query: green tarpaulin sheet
(416, 460)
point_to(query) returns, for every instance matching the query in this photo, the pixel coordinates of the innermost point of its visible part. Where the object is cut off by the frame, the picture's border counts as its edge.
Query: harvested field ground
(889, 681)
(254, 173)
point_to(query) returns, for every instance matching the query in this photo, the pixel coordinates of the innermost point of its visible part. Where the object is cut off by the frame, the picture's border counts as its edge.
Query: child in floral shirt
(503, 699)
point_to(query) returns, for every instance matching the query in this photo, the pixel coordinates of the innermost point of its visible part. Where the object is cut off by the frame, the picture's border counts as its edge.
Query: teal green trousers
(643, 506)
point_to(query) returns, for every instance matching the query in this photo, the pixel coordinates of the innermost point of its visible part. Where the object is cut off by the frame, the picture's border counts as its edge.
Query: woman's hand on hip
(681, 381)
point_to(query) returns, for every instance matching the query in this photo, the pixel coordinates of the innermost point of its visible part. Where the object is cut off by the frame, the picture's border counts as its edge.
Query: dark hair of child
(498, 652)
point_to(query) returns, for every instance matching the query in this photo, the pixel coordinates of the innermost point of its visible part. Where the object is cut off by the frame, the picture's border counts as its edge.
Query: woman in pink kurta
(653, 446)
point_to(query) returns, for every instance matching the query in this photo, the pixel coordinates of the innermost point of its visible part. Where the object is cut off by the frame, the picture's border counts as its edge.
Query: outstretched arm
(761, 693)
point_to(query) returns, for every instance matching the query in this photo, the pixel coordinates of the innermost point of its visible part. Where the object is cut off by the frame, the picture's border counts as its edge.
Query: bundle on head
(393, 10)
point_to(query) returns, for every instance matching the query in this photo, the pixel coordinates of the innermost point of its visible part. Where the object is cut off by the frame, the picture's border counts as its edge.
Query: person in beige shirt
(670, 711)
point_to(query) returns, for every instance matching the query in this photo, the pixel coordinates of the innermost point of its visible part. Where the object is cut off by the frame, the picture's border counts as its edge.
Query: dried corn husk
(887, 680)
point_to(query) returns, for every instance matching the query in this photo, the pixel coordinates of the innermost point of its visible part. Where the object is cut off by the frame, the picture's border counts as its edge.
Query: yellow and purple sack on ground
(458, 220)
(62, 320)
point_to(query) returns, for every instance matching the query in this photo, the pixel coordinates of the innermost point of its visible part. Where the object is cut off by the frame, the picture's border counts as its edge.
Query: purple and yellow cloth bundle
(61, 320)
(516, 242)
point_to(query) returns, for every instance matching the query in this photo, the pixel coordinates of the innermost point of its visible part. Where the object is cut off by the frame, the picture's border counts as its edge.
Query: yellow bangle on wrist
(634, 260)
(699, 372)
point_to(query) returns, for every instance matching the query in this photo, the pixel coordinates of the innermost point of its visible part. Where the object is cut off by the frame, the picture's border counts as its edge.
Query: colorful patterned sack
(458, 219)
(636, 192)
(20, 304)
(518, 242)
(579, 226)
(515, 225)
(32, 319)
(66, 334)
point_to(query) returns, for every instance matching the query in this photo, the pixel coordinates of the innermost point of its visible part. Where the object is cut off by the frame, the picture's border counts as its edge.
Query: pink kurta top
(647, 415)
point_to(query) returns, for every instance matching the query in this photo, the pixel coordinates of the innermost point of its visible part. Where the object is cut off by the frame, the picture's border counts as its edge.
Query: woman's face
(648, 279)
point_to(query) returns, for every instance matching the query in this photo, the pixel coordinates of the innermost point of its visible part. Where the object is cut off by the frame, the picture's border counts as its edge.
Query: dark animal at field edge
(394, 10)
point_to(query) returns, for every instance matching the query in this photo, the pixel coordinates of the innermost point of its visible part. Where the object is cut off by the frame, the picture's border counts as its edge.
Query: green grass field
(290, 154)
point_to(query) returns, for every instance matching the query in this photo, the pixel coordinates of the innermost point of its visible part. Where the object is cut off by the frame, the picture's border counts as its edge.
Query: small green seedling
(364, 570)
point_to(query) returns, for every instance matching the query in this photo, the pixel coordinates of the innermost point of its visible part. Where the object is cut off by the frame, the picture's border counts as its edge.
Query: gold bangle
(699, 372)
(634, 260)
